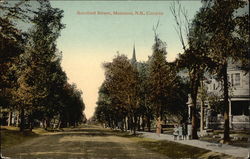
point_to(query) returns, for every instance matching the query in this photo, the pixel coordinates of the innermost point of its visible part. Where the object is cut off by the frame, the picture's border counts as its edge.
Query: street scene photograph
(119, 79)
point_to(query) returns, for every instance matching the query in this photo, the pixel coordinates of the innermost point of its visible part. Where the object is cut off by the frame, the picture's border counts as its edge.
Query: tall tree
(144, 94)
(12, 41)
(73, 106)
(121, 80)
(31, 77)
(227, 41)
(161, 79)
(105, 111)
(177, 94)
(12, 44)
(194, 58)
(36, 76)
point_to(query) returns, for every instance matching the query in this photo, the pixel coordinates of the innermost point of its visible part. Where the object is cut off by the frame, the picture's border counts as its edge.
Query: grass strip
(11, 136)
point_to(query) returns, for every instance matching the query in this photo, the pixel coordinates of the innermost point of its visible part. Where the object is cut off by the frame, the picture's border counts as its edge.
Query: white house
(239, 98)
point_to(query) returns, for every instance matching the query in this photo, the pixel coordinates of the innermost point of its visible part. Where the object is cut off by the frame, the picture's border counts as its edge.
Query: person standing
(158, 126)
(175, 132)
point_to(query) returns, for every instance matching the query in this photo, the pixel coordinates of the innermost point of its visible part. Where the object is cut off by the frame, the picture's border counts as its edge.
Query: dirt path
(82, 143)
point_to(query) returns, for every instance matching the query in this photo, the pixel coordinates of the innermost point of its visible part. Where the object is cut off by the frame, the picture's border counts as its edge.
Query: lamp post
(190, 105)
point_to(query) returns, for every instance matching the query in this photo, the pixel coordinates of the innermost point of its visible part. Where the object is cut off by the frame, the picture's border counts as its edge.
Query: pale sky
(89, 40)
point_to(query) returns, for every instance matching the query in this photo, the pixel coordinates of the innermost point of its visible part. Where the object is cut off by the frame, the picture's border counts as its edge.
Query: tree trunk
(10, 118)
(59, 125)
(134, 124)
(45, 124)
(149, 124)
(226, 137)
(194, 88)
(109, 122)
(143, 123)
(17, 120)
(124, 124)
(202, 118)
(202, 110)
(194, 124)
(129, 123)
(22, 120)
(138, 123)
(31, 123)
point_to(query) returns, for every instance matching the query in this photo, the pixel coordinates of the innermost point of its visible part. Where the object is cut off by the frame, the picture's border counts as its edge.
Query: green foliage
(12, 41)
(33, 81)
(145, 106)
(215, 103)
(227, 41)
(122, 84)
(121, 80)
(228, 33)
(217, 34)
(71, 110)
(158, 76)
(105, 112)
(162, 80)
(141, 90)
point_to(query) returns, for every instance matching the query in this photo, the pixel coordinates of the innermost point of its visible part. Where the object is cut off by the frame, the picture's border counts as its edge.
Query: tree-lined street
(201, 96)
(91, 141)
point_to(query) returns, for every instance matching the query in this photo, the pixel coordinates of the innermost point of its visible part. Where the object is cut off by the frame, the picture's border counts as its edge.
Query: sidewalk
(221, 148)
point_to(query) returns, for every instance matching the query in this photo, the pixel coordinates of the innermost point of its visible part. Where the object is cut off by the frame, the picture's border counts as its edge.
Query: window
(235, 79)
(240, 107)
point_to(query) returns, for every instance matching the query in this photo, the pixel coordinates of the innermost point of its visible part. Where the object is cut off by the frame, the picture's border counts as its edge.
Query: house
(239, 99)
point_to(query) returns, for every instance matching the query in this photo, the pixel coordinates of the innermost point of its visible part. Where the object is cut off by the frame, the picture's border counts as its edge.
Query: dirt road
(91, 142)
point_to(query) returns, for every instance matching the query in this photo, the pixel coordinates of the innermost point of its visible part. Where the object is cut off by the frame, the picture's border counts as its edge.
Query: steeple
(133, 60)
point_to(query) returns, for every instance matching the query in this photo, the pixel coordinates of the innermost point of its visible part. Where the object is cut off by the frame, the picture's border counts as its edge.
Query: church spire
(133, 60)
